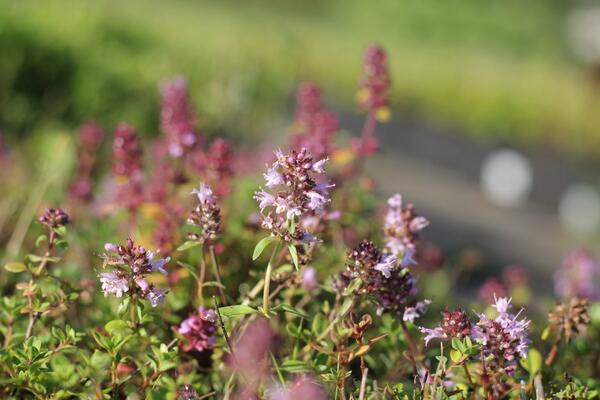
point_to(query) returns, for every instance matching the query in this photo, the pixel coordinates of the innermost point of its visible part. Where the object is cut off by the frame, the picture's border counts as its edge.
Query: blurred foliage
(498, 69)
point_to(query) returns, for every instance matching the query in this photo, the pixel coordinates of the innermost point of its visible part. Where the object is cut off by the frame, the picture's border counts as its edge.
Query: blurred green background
(496, 69)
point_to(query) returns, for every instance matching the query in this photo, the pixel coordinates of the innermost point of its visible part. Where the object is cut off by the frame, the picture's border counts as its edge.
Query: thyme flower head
(503, 337)
(131, 264)
(297, 188)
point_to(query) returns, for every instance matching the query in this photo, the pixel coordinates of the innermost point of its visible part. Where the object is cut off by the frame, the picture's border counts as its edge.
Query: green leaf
(15, 267)
(546, 333)
(292, 310)
(188, 245)
(456, 356)
(117, 327)
(61, 244)
(294, 255)
(260, 246)
(296, 366)
(346, 306)
(60, 230)
(236, 311)
(40, 239)
(353, 286)
(533, 362)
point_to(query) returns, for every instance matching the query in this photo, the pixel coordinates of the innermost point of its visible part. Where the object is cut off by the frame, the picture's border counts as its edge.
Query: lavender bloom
(315, 127)
(504, 337)
(295, 194)
(54, 217)
(90, 138)
(206, 215)
(131, 265)
(215, 165)
(199, 330)
(577, 277)
(381, 275)
(250, 350)
(127, 165)
(114, 283)
(303, 388)
(176, 117)
(402, 228)
(373, 95)
(454, 324)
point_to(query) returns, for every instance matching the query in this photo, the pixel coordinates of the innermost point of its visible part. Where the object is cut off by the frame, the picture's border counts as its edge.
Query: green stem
(268, 279)
(133, 312)
(215, 265)
(201, 277)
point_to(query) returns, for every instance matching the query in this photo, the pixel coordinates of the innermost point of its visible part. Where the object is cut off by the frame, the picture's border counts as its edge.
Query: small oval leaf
(15, 267)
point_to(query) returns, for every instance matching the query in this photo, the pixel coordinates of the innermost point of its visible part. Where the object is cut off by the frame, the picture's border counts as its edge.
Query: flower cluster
(315, 126)
(385, 278)
(206, 215)
(199, 330)
(127, 165)
(131, 264)
(454, 324)
(302, 388)
(250, 350)
(54, 217)
(503, 339)
(402, 227)
(90, 138)
(577, 277)
(373, 96)
(176, 117)
(367, 263)
(215, 165)
(296, 193)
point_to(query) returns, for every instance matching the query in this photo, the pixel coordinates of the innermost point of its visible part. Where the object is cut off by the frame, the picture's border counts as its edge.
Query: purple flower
(114, 283)
(385, 265)
(156, 296)
(402, 228)
(577, 277)
(376, 82)
(392, 286)
(297, 192)
(127, 165)
(199, 330)
(54, 217)
(303, 388)
(206, 215)
(177, 119)
(314, 127)
(131, 264)
(413, 312)
(504, 337)
(454, 324)
(204, 193)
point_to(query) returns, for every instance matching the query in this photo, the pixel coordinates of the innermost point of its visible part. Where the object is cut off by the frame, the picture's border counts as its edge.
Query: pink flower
(199, 330)
(402, 228)
(504, 337)
(303, 388)
(309, 279)
(577, 277)
(131, 264)
(177, 119)
(295, 194)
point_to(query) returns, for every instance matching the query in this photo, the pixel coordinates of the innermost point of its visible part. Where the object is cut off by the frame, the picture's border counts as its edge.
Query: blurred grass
(496, 69)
